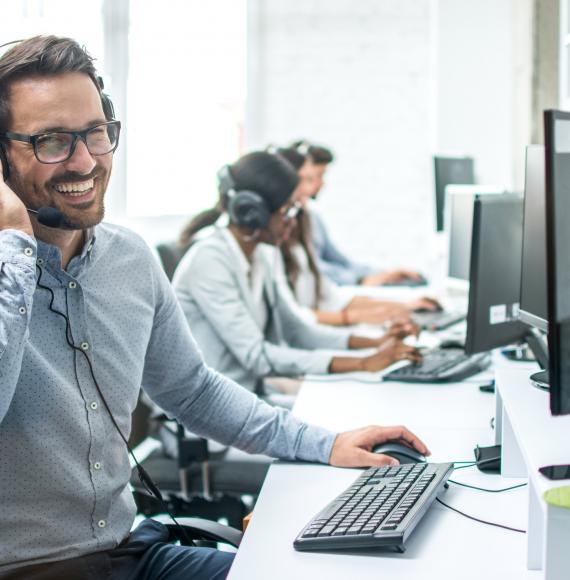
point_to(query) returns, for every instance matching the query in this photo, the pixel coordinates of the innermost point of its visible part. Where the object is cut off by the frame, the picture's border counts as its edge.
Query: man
(64, 470)
(332, 262)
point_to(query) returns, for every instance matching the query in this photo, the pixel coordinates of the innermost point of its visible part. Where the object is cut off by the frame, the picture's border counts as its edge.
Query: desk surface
(452, 419)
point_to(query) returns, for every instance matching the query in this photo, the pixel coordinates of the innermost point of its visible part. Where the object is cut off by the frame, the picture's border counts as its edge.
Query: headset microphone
(48, 216)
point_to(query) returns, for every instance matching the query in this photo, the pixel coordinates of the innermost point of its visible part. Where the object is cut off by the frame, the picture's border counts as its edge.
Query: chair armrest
(201, 529)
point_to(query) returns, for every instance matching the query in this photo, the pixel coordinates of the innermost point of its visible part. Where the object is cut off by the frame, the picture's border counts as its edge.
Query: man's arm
(17, 286)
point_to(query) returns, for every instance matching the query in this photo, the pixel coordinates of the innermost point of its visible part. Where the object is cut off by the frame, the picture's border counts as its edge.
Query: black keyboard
(380, 509)
(437, 320)
(440, 365)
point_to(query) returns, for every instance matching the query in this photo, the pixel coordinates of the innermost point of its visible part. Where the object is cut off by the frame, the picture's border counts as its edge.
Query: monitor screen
(460, 230)
(449, 170)
(533, 270)
(494, 282)
(557, 171)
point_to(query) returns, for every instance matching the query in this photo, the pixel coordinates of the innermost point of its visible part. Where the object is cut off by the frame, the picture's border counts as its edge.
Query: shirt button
(22, 310)
(73, 285)
(40, 261)
(97, 465)
(84, 346)
(101, 523)
(29, 252)
(93, 405)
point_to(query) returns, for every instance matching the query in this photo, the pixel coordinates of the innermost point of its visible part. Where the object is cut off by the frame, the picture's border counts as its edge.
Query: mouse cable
(474, 463)
(480, 520)
(487, 489)
(147, 482)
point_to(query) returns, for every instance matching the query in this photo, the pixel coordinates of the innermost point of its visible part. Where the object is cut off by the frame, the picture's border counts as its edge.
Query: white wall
(386, 84)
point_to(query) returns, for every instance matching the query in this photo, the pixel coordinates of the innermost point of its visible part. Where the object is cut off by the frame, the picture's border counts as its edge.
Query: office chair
(194, 480)
(170, 254)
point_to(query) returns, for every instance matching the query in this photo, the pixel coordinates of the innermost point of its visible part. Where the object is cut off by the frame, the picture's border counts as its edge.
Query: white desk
(531, 438)
(452, 419)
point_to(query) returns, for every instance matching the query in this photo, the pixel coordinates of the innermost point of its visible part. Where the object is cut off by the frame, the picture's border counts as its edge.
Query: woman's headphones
(247, 209)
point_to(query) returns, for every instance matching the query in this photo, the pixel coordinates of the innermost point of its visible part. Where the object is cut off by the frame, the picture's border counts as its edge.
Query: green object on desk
(558, 496)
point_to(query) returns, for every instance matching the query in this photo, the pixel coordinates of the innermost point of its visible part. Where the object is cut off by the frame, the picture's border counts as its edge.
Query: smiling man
(67, 511)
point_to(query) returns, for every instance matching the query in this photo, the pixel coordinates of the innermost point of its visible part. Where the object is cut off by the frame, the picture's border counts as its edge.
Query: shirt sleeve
(210, 405)
(18, 253)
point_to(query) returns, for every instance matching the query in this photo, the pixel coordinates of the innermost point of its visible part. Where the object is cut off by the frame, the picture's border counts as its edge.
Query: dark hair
(318, 154)
(268, 175)
(301, 234)
(41, 56)
(296, 159)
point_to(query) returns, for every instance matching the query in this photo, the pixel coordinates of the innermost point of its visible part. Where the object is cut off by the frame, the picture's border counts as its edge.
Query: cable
(482, 462)
(486, 489)
(480, 520)
(144, 477)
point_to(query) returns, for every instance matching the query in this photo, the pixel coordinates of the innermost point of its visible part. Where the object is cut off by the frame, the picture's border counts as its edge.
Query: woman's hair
(318, 154)
(270, 176)
(295, 158)
(303, 236)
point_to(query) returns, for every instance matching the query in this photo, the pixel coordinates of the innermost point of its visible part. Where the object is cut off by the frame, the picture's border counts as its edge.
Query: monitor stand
(540, 380)
(537, 344)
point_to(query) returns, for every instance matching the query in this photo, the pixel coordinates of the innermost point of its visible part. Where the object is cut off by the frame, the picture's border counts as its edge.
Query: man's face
(67, 102)
(306, 188)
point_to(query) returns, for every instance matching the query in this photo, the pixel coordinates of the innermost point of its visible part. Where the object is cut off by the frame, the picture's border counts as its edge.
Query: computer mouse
(435, 306)
(452, 343)
(399, 451)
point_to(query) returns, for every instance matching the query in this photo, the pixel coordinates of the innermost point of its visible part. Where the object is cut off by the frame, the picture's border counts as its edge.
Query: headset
(246, 208)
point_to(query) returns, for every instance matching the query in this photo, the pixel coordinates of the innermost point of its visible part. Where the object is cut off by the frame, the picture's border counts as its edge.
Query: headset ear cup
(108, 108)
(247, 209)
(4, 160)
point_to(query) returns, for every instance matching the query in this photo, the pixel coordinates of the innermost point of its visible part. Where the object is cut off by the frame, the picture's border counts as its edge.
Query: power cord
(487, 489)
(144, 477)
(480, 520)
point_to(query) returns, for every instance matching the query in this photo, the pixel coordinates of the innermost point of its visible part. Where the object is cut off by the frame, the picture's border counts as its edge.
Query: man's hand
(13, 213)
(354, 448)
(424, 303)
(391, 351)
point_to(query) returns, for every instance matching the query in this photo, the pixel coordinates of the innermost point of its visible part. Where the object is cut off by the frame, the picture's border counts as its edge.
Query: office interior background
(385, 84)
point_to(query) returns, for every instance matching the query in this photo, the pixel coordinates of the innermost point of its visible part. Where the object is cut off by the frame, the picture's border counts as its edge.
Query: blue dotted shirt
(64, 470)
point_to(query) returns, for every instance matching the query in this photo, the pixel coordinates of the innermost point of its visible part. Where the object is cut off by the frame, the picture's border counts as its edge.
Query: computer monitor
(495, 271)
(460, 230)
(557, 172)
(533, 309)
(448, 170)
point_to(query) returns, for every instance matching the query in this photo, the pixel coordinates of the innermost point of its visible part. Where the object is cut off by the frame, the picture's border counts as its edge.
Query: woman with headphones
(244, 326)
(321, 298)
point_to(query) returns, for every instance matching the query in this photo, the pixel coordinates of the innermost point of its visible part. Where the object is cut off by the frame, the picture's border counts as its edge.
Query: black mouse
(399, 451)
(452, 343)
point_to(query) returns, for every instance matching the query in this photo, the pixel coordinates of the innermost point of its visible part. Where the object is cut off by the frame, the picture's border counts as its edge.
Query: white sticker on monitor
(498, 314)
(562, 136)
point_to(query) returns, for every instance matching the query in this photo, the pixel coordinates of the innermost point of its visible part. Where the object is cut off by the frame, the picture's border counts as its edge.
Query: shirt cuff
(316, 444)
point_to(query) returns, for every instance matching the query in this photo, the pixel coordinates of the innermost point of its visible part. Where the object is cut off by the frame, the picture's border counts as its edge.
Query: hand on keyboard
(354, 448)
(391, 351)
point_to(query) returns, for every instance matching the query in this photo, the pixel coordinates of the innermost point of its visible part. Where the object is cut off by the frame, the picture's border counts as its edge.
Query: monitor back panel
(494, 288)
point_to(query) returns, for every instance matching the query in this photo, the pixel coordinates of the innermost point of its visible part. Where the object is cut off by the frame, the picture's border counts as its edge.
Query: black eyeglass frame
(33, 140)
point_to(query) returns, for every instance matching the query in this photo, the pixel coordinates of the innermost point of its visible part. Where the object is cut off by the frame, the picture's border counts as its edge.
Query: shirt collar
(242, 262)
(51, 254)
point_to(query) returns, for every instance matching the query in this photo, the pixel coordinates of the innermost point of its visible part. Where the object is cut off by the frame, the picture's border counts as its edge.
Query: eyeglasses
(59, 146)
(291, 211)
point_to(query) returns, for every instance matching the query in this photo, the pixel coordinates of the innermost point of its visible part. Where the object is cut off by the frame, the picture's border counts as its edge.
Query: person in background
(225, 284)
(332, 262)
(315, 292)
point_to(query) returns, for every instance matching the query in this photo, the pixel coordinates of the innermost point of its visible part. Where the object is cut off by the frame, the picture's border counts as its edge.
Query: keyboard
(437, 320)
(440, 365)
(380, 509)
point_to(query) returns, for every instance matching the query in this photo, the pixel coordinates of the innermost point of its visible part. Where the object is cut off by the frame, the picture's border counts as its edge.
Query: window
(185, 102)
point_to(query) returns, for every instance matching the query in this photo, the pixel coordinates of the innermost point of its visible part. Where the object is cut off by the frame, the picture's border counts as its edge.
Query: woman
(330, 305)
(242, 323)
